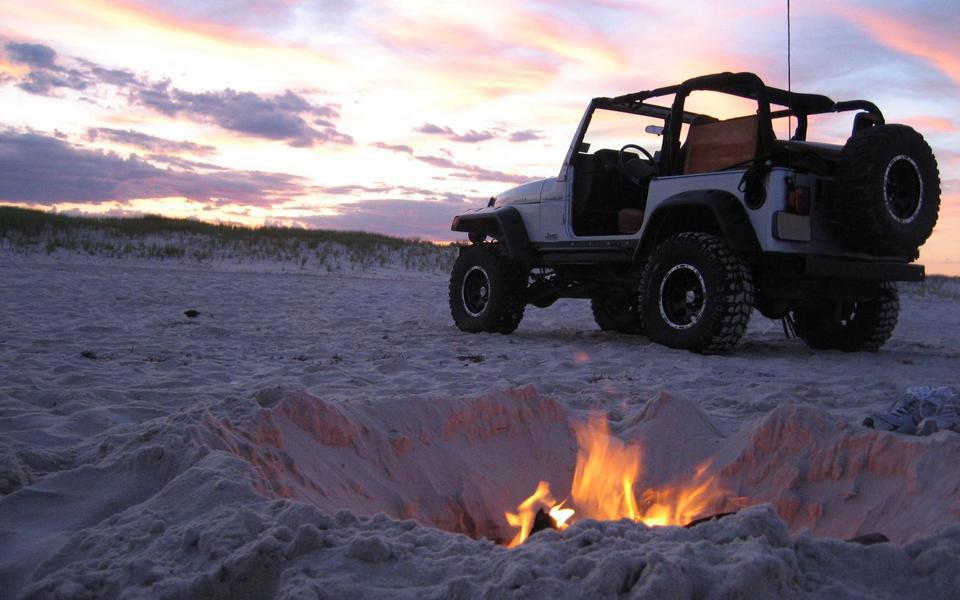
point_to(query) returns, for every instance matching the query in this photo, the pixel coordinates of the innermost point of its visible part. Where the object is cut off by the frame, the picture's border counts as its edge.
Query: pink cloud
(905, 34)
(929, 124)
(518, 50)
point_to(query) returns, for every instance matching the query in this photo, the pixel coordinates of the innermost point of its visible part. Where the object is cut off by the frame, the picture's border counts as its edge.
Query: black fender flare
(505, 224)
(725, 208)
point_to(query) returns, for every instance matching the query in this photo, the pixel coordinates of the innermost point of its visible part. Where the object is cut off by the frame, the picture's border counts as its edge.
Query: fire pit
(486, 466)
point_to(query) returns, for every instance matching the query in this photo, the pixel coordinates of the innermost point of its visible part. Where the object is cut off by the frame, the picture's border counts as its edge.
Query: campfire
(604, 488)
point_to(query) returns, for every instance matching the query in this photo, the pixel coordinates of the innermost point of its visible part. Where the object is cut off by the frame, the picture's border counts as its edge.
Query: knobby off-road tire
(617, 312)
(696, 294)
(486, 290)
(850, 326)
(887, 194)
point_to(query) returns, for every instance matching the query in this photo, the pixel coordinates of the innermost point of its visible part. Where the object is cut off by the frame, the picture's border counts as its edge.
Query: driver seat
(630, 218)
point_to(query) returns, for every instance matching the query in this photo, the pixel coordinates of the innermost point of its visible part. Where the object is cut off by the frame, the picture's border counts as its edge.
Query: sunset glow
(393, 116)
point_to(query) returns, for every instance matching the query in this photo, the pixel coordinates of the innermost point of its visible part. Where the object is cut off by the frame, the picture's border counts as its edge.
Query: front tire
(486, 290)
(850, 326)
(697, 294)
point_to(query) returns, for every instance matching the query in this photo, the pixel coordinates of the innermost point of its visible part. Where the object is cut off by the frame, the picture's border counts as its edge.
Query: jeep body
(812, 233)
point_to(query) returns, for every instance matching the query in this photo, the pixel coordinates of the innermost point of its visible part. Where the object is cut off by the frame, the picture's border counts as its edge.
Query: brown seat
(720, 145)
(629, 220)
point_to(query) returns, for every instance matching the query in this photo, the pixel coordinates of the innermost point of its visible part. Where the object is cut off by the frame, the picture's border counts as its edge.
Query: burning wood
(543, 520)
(869, 539)
(715, 517)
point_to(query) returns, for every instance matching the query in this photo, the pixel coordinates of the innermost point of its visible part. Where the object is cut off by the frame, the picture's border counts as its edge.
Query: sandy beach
(311, 434)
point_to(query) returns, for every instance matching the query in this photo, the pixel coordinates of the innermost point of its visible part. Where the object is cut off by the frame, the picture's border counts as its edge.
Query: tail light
(798, 200)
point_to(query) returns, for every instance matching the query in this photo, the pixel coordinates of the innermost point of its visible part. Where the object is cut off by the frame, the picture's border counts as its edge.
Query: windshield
(612, 130)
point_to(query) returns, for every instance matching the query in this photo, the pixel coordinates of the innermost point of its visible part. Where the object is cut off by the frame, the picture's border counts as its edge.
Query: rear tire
(887, 194)
(617, 312)
(850, 326)
(486, 290)
(697, 294)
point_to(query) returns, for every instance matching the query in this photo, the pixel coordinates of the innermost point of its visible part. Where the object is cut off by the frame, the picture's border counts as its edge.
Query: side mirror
(584, 147)
(654, 129)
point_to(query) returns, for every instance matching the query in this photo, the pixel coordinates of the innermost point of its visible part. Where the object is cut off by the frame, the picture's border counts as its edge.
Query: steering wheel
(632, 177)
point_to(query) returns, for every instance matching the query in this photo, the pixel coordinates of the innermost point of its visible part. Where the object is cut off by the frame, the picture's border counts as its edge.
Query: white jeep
(678, 224)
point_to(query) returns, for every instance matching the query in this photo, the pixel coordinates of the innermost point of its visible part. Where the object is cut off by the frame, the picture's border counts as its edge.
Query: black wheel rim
(683, 296)
(475, 291)
(903, 188)
(848, 314)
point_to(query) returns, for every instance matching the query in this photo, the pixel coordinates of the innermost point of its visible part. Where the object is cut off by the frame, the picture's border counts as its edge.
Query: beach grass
(164, 238)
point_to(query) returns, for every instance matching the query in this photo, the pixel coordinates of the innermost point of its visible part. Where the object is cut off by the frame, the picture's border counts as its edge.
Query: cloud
(439, 161)
(930, 124)
(350, 190)
(949, 157)
(525, 135)
(117, 77)
(415, 192)
(184, 164)
(40, 169)
(278, 117)
(431, 129)
(34, 55)
(152, 143)
(471, 137)
(472, 172)
(287, 116)
(266, 16)
(45, 76)
(44, 82)
(502, 47)
(904, 32)
(402, 148)
(398, 217)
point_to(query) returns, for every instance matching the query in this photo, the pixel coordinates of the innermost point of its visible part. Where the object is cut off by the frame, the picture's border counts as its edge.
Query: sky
(393, 116)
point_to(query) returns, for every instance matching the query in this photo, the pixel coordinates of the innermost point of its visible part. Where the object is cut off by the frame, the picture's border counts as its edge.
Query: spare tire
(887, 193)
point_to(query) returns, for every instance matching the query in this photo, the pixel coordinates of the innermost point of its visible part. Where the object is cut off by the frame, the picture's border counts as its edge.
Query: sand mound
(820, 473)
(454, 464)
(840, 480)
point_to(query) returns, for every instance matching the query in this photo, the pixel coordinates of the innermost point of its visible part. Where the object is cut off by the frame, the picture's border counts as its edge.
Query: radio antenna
(789, 81)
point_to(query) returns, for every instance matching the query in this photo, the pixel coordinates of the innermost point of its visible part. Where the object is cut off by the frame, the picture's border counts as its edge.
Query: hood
(522, 194)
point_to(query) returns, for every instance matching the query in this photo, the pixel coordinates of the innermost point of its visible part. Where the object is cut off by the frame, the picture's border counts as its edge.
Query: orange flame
(603, 488)
(606, 471)
(526, 512)
(681, 504)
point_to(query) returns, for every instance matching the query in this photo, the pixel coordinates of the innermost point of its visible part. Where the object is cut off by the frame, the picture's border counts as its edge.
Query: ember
(603, 489)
